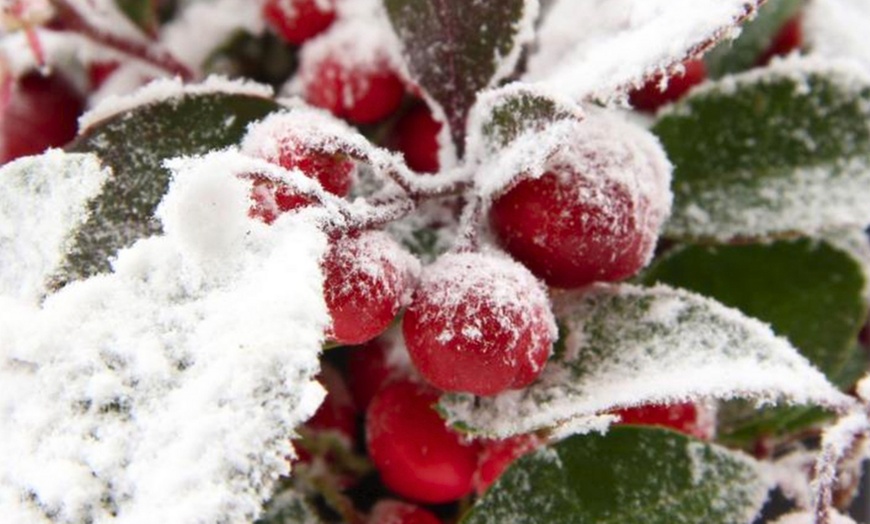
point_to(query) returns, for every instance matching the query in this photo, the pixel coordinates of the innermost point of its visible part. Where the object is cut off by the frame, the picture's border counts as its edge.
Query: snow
(32, 243)
(838, 29)
(169, 89)
(600, 48)
(806, 517)
(627, 346)
(166, 390)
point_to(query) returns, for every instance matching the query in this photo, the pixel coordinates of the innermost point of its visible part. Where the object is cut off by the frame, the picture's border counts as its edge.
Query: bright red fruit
(36, 112)
(497, 455)
(415, 135)
(687, 417)
(299, 20)
(417, 455)
(479, 323)
(569, 230)
(271, 198)
(789, 38)
(367, 279)
(650, 97)
(395, 512)
(362, 93)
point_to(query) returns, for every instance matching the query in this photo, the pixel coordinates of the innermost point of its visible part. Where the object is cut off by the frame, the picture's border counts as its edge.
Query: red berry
(687, 417)
(373, 365)
(417, 455)
(279, 139)
(497, 455)
(789, 38)
(299, 20)
(99, 72)
(650, 97)
(271, 198)
(36, 112)
(367, 279)
(361, 93)
(395, 512)
(479, 323)
(595, 213)
(336, 416)
(415, 135)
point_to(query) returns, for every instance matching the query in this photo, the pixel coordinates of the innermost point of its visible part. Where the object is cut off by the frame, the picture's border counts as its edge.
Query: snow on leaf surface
(134, 135)
(57, 184)
(631, 475)
(807, 172)
(454, 49)
(625, 345)
(167, 390)
(600, 48)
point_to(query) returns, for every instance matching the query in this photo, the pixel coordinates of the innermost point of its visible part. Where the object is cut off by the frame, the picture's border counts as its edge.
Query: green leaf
(630, 475)
(143, 13)
(808, 290)
(755, 38)
(474, 44)
(771, 153)
(627, 345)
(134, 144)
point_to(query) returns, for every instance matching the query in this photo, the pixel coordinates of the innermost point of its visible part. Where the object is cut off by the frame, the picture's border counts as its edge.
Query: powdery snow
(838, 29)
(600, 48)
(42, 200)
(166, 390)
(628, 346)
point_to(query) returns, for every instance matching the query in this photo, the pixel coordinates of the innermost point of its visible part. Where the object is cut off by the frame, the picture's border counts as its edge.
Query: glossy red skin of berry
(789, 38)
(37, 112)
(366, 277)
(565, 238)
(395, 512)
(650, 97)
(497, 455)
(417, 455)
(358, 94)
(302, 21)
(489, 347)
(415, 135)
(684, 417)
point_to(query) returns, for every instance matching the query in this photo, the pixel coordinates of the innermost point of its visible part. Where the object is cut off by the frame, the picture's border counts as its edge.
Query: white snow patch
(168, 389)
(837, 29)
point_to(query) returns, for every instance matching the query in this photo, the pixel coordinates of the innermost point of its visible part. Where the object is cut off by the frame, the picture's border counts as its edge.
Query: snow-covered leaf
(804, 170)
(600, 48)
(455, 48)
(32, 243)
(167, 390)
(809, 291)
(631, 475)
(502, 115)
(755, 38)
(625, 345)
(134, 136)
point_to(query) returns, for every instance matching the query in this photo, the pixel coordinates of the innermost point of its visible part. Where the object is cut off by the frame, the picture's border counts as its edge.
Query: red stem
(151, 54)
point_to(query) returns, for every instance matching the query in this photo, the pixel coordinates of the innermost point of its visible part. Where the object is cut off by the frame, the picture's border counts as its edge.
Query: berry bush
(434, 261)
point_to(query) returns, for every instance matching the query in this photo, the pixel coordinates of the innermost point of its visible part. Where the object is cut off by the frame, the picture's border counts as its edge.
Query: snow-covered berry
(686, 417)
(479, 323)
(368, 277)
(497, 455)
(299, 20)
(417, 455)
(595, 213)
